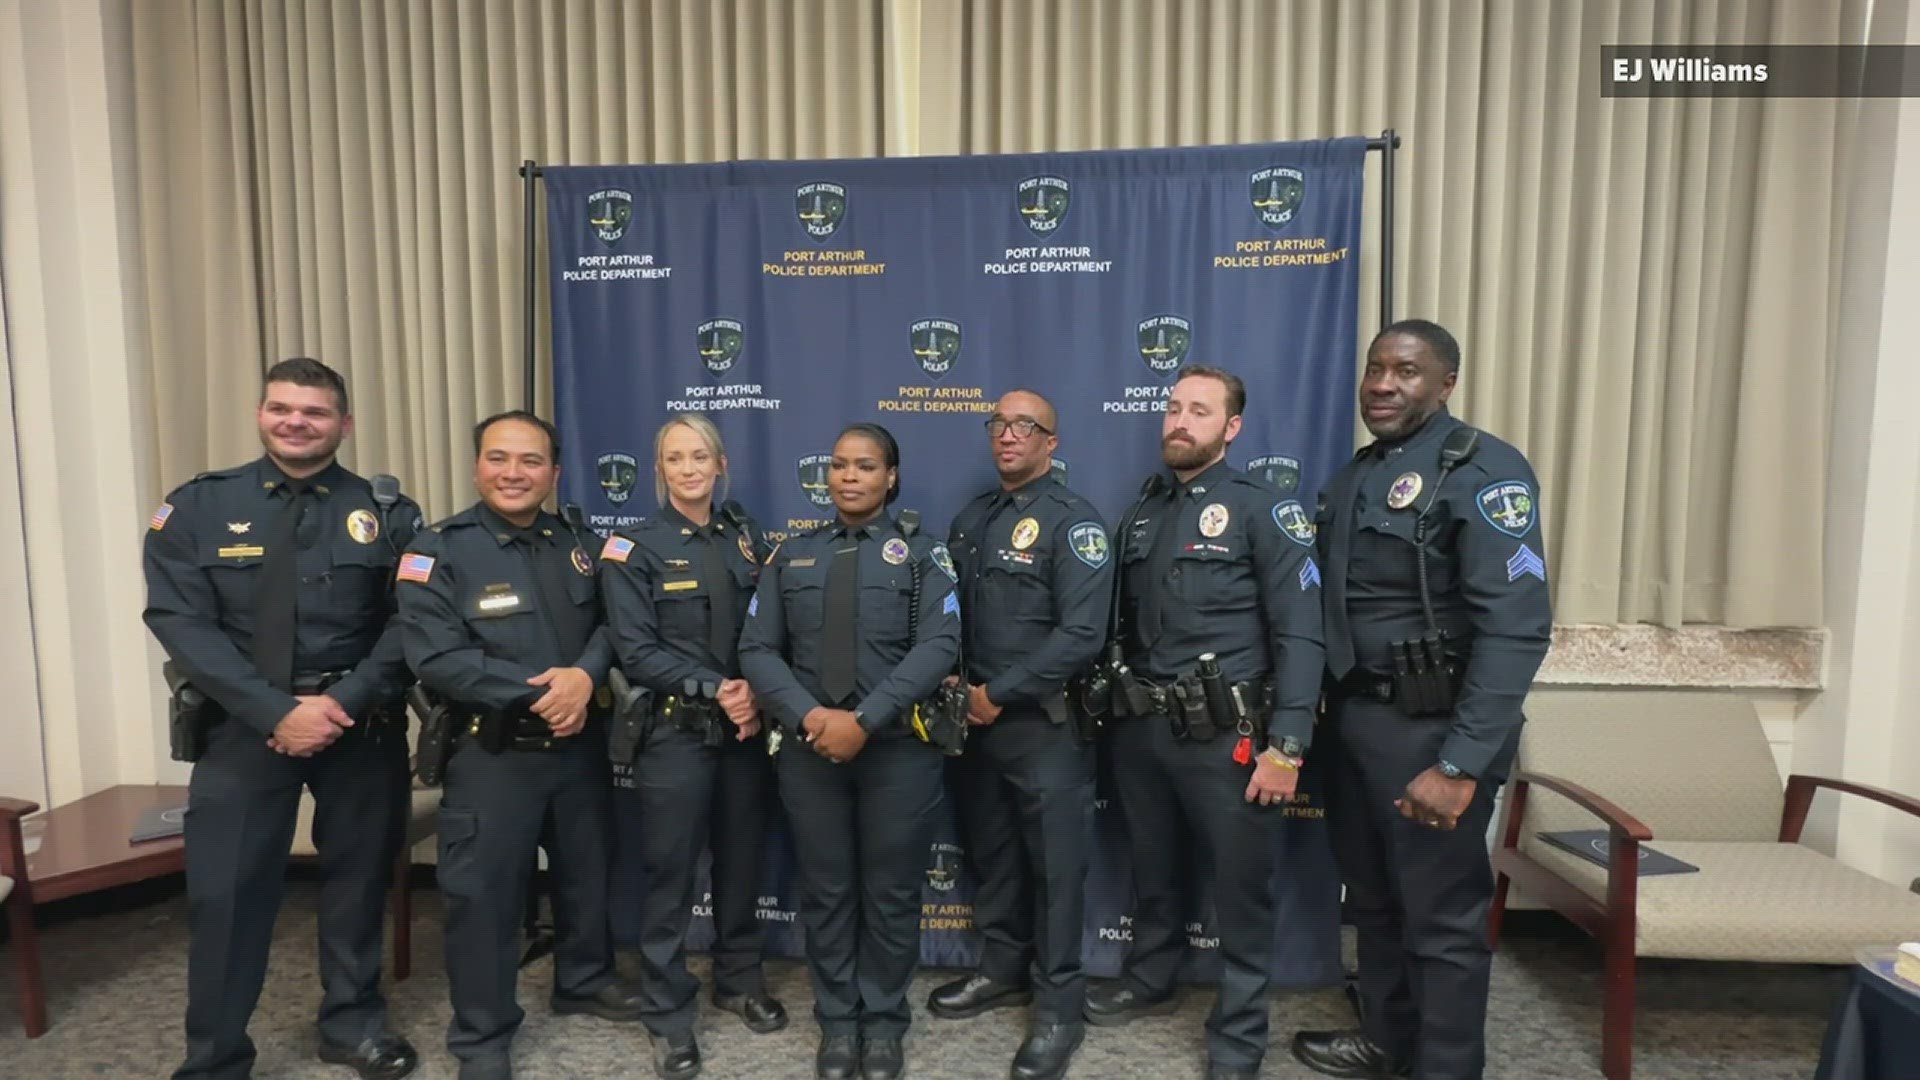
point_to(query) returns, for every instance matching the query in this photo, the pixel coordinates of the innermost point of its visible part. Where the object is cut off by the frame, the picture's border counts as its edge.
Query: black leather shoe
(974, 995)
(676, 1058)
(1047, 1051)
(615, 1001)
(838, 1059)
(487, 1068)
(760, 1011)
(382, 1057)
(1115, 1003)
(882, 1059)
(1346, 1054)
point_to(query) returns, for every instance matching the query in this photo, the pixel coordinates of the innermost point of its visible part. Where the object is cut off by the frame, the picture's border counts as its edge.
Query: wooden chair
(16, 896)
(1692, 772)
(423, 821)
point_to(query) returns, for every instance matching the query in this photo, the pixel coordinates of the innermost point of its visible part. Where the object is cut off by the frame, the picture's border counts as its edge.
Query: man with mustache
(1428, 667)
(1220, 619)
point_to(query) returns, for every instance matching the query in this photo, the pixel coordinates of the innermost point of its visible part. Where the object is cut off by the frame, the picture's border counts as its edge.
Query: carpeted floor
(117, 979)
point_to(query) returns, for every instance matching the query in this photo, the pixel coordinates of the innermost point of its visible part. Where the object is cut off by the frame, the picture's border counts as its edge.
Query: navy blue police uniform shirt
(1241, 582)
(477, 623)
(660, 597)
(1038, 562)
(203, 554)
(782, 646)
(1486, 572)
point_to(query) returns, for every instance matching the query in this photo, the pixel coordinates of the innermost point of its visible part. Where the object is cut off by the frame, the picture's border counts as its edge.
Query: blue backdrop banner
(785, 300)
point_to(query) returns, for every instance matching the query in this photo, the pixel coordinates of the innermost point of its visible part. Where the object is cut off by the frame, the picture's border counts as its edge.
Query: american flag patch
(159, 519)
(415, 568)
(617, 549)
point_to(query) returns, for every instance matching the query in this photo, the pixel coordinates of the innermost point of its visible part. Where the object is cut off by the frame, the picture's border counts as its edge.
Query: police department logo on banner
(1043, 203)
(936, 344)
(1277, 194)
(618, 473)
(1280, 471)
(1163, 342)
(1057, 468)
(822, 207)
(609, 212)
(943, 870)
(721, 341)
(813, 478)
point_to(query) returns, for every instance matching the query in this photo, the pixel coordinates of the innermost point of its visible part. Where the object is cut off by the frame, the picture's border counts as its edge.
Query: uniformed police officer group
(706, 668)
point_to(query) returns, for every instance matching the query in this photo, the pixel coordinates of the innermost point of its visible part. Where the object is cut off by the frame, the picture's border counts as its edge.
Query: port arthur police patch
(1089, 543)
(813, 478)
(1508, 506)
(618, 473)
(1277, 194)
(1043, 203)
(821, 206)
(721, 342)
(1164, 340)
(1280, 471)
(609, 212)
(1293, 520)
(936, 344)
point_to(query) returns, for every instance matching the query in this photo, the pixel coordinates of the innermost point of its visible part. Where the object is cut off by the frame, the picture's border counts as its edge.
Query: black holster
(632, 720)
(1425, 679)
(188, 719)
(435, 744)
(941, 720)
(695, 710)
(1187, 709)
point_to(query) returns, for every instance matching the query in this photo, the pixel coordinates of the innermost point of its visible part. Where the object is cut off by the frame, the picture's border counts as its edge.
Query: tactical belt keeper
(1190, 709)
(697, 715)
(497, 732)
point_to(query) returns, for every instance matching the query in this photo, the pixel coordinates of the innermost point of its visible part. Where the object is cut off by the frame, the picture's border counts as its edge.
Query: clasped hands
(834, 734)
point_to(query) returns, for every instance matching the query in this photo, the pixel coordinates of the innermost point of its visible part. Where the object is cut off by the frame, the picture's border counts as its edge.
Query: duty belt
(1380, 688)
(309, 685)
(495, 732)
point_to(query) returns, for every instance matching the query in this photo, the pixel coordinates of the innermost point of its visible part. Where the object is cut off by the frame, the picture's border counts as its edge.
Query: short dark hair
(525, 417)
(889, 450)
(306, 371)
(1236, 390)
(1431, 334)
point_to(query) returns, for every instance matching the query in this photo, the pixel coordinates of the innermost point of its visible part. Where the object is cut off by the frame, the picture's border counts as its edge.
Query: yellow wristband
(1274, 757)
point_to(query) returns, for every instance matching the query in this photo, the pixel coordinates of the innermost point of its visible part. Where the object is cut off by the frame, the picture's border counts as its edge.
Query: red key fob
(1243, 751)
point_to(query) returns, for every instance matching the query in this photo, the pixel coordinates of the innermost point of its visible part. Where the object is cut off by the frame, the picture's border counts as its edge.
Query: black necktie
(277, 590)
(1339, 552)
(841, 622)
(1159, 560)
(722, 634)
(552, 570)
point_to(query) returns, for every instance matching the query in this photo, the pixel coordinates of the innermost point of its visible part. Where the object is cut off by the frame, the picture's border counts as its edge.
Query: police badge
(1277, 193)
(721, 341)
(609, 212)
(1164, 340)
(821, 207)
(618, 473)
(1043, 203)
(936, 344)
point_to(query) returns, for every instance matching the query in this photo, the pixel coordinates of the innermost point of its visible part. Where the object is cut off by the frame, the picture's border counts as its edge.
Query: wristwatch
(1453, 772)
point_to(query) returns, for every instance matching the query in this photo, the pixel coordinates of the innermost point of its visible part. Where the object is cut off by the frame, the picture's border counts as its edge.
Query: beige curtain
(1643, 289)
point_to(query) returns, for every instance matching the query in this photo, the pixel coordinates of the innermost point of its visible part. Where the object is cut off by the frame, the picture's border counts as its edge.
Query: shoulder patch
(1089, 543)
(944, 560)
(1293, 521)
(159, 519)
(1525, 562)
(616, 549)
(1309, 573)
(1508, 506)
(415, 567)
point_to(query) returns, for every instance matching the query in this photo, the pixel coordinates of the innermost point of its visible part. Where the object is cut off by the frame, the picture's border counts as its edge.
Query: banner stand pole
(529, 180)
(1387, 143)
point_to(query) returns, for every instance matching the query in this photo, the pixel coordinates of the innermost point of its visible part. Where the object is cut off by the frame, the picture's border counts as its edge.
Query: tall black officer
(1417, 760)
(270, 586)
(1212, 562)
(677, 588)
(501, 619)
(838, 655)
(1036, 570)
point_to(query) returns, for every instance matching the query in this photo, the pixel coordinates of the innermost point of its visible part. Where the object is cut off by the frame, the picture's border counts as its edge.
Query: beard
(1179, 455)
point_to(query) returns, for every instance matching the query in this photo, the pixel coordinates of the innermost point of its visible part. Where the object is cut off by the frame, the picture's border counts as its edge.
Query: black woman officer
(851, 626)
(676, 588)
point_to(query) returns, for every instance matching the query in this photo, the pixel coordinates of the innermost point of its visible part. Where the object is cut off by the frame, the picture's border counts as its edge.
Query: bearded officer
(1220, 612)
(270, 586)
(1428, 673)
(1034, 558)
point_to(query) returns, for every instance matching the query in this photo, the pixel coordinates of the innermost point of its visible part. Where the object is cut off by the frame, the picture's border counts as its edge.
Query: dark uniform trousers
(1025, 794)
(692, 796)
(492, 810)
(242, 805)
(873, 815)
(1424, 973)
(1170, 791)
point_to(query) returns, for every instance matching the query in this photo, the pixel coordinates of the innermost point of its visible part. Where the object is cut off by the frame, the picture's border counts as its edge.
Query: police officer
(1418, 756)
(838, 653)
(501, 619)
(270, 586)
(1221, 632)
(677, 588)
(1034, 558)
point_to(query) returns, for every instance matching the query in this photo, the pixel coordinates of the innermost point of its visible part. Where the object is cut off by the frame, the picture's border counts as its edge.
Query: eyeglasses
(1022, 427)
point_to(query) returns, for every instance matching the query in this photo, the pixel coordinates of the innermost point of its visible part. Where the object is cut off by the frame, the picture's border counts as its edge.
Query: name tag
(498, 602)
(808, 561)
(242, 551)
(680, 586)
